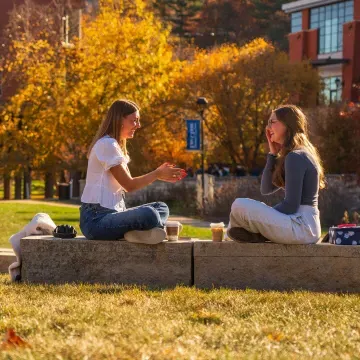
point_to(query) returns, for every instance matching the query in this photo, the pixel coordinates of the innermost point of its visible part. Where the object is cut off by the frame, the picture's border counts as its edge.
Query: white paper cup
(173, 230)
(217, 230)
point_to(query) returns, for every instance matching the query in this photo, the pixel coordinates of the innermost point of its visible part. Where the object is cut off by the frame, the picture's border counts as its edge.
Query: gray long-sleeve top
(301, 181)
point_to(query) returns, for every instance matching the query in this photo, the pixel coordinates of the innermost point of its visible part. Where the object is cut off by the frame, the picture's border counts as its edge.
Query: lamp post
(202, 104)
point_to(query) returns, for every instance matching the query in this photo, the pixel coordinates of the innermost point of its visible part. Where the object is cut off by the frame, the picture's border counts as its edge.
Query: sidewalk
(70, 203)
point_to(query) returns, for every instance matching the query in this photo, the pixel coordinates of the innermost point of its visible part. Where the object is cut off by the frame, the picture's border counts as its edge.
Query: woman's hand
(273, 146)
(169, 173)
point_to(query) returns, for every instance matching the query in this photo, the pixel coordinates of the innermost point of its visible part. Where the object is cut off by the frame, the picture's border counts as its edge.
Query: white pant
(302, 227)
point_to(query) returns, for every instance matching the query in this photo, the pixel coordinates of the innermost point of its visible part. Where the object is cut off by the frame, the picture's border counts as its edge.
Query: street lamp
(202, 104)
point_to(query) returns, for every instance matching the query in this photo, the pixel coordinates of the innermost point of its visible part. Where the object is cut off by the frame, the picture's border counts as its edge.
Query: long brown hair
(296, 138)
(112, 123)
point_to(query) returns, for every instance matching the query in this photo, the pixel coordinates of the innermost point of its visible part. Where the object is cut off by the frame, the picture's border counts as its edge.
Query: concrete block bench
(7, 257)
(320, 267)
(45, 260)
(205, 264)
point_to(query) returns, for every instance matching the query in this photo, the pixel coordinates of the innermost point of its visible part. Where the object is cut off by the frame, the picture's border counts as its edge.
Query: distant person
(199, 171)
(190, 172)
(216, 171)
(294, 164)
(210, 169)
(103, 214)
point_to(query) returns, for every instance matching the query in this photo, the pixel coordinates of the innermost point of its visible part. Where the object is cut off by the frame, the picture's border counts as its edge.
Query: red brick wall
(303, 45)
(351, 51)
(306, 19)
(312, 39)
(296, 46)
(356, 9)
(356, 75)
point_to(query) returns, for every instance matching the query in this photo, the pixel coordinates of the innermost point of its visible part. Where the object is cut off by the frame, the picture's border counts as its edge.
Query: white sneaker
(151, 237)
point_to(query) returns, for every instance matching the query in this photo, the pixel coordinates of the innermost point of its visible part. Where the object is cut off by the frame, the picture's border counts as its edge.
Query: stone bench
(205, 264)
(319, 267)
(7, 257)
(45, 260)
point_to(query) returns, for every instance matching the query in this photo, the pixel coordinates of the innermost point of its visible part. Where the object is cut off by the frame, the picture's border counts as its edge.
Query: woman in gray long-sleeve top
(293, 164)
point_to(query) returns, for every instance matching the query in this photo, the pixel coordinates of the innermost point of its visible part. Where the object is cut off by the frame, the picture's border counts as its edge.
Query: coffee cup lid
(172, 223)
(217, 225)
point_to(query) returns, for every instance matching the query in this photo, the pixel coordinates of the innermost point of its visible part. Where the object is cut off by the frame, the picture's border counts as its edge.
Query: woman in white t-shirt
(103, 215)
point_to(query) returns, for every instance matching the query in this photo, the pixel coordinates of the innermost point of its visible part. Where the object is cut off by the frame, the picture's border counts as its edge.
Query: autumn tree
(181, 14)
(32, 37)
(271, 21)
(240, 21)
(124, 53)
(243, 85)
(337, 134)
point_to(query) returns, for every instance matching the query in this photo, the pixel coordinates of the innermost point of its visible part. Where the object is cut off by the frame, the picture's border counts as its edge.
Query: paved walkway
(44, 202)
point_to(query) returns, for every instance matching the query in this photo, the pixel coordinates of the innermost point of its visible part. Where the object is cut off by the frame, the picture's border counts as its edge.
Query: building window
(329, 20)
(296, 21)
(332, 89)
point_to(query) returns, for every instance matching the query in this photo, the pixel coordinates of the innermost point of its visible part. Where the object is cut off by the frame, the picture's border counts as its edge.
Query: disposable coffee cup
(173, 230)
(217, 230)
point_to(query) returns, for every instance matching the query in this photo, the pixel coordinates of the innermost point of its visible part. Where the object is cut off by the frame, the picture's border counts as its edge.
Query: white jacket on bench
(41, 224)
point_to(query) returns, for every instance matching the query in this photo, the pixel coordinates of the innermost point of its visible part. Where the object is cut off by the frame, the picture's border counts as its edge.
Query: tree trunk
(27, 183)
(7, 186)
(62, 176)
(49, 185)
(18, 182)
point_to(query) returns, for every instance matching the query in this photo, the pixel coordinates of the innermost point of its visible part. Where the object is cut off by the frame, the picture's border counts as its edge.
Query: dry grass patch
(117, 322)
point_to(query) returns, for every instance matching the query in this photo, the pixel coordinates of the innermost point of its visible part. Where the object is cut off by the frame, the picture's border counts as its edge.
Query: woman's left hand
(170, 173)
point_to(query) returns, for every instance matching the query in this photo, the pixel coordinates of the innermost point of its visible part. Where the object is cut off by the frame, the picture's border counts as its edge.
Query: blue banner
(193, 135)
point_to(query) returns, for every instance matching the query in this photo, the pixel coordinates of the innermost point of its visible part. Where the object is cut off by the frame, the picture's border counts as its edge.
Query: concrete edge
(7, 257)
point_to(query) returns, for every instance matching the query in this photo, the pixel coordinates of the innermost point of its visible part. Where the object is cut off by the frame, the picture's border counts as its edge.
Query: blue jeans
(99, 223)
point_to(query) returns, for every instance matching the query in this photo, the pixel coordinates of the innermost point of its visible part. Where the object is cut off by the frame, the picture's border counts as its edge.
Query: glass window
(329, 20)
(296, 21)
(332, 89)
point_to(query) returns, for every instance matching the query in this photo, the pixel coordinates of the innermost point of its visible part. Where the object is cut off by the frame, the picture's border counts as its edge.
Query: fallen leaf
(12, 341)
(275, 336)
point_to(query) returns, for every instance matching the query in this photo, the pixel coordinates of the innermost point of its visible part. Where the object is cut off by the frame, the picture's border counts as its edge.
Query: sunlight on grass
(125, 322)
(13, 216)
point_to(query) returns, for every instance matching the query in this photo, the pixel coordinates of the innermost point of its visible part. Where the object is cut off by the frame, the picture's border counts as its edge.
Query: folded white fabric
(41, 224)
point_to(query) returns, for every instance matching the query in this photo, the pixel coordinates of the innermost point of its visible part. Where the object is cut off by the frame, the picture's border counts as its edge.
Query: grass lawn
(115, 322)
(13, 216)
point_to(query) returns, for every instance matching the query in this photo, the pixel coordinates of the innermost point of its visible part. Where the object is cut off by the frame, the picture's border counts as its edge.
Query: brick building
(327, 32)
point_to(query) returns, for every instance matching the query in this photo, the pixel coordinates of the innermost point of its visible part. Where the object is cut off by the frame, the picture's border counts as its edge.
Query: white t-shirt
(101, 186)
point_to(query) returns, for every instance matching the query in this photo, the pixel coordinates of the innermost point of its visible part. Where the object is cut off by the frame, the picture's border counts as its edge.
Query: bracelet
(273, 155)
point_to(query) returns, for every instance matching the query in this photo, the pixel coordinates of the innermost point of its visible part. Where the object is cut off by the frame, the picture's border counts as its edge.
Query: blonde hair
(296, 138)
(112, 123)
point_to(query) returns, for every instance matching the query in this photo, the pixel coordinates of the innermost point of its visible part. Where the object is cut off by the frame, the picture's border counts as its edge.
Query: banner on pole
(193, 135)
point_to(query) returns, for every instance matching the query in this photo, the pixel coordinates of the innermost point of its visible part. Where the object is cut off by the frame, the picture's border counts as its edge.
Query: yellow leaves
(276, 336)
(13, 341)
